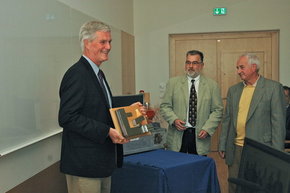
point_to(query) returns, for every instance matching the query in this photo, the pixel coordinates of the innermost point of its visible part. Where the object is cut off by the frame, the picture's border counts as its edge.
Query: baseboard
(49, 180)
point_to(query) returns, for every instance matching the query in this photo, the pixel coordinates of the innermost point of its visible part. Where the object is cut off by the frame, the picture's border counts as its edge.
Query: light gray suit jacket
(175, 106)
(265, 121)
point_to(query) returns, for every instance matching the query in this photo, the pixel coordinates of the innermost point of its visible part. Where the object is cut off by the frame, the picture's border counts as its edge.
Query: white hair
(252, 59)
(89, 29)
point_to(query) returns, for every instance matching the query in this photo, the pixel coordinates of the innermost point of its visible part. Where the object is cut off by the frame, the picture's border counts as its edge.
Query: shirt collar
(195, 79)
(254, 85)
(93, 65)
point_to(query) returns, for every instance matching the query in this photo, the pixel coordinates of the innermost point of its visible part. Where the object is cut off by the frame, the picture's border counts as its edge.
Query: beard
(191, 73)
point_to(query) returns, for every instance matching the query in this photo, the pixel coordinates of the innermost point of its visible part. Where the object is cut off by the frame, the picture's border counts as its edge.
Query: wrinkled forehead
(242, 61)
(194, 57)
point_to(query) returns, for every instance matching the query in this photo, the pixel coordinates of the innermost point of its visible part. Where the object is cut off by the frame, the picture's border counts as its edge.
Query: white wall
(55, 19)
(117, 13)
(154, 20)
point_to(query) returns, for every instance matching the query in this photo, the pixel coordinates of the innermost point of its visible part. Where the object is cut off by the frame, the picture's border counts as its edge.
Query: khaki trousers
(76, 184)
(234, 168)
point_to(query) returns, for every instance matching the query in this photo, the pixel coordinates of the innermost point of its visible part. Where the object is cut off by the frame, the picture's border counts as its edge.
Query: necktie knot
(101, 75)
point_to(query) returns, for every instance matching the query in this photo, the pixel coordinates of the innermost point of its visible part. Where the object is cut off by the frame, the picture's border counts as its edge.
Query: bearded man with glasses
(192, 106)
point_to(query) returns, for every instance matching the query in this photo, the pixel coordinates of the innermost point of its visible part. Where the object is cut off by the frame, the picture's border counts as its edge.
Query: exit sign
(220, 11)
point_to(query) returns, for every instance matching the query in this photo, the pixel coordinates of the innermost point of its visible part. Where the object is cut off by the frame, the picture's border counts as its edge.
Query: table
(164, 171)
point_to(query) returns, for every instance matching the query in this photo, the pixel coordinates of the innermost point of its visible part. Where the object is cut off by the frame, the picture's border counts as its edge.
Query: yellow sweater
(244, 106)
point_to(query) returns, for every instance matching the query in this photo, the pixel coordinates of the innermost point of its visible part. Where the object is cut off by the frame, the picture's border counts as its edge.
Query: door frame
(274, 34)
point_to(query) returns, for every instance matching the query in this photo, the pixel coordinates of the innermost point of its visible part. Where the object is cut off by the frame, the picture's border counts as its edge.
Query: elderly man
(91, 147)
(255, 109)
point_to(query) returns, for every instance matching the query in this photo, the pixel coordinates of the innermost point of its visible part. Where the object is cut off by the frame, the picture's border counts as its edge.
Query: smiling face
(247, 72)
(193, 65)
(98, 49)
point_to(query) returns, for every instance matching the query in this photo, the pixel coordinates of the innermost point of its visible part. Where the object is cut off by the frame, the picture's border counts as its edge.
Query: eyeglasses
(193, 62)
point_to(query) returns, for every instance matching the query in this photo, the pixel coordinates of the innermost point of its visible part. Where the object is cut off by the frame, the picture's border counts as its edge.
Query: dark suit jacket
(87, 150)
(288, 123)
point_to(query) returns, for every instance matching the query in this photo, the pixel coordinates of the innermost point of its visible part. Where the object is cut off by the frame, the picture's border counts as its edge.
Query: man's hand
(202, 134)
(142, 108)
(116, 137)
(222, 154)
(179, 124)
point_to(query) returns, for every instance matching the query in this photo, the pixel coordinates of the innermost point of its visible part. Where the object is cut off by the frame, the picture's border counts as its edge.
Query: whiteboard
(38, 42)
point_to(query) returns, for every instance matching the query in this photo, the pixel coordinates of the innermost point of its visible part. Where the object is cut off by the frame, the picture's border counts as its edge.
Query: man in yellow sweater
(254, 109)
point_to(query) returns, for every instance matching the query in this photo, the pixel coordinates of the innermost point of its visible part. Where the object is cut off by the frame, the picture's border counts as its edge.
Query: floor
(222, 171)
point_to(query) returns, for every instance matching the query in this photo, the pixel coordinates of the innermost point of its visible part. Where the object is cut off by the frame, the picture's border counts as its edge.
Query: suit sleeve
(72, 116)
(225, 124)
(216, 111)
(166, 106)
(278, 117)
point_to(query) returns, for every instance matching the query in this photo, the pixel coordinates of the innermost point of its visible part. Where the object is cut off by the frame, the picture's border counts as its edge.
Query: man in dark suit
(287, 98)
(91, 147)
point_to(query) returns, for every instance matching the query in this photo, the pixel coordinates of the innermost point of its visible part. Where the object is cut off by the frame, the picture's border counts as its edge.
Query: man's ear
(254, 66)
(86, 41)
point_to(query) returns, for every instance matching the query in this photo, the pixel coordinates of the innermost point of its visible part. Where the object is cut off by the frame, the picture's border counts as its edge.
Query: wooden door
(128, 64)
(221, 51)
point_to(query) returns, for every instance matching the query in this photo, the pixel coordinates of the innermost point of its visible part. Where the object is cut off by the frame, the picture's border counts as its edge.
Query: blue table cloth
(164, 171)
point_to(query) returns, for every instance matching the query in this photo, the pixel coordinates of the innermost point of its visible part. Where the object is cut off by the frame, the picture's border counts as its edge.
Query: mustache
(191, 70)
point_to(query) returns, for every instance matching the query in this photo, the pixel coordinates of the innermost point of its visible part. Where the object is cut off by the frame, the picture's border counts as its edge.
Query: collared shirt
(254, 85)
(96, 70)
(196, 84)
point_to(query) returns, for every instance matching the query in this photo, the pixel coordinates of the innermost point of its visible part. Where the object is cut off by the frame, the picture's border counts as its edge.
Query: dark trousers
(188, 141)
